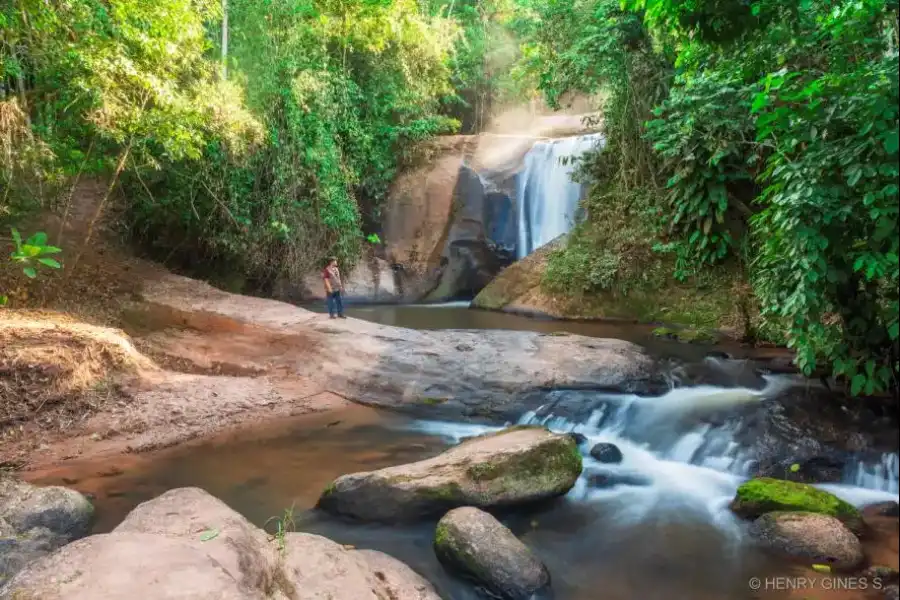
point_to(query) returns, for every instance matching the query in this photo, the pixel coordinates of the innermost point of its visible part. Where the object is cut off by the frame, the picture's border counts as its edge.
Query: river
(654, 527)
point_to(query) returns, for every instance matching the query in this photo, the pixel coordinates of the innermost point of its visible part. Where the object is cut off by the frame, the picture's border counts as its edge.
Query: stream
(655, 526)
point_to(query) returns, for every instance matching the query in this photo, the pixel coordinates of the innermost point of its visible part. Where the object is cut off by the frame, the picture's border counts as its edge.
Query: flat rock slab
(478, 546)
(518, 465)
(442, 374)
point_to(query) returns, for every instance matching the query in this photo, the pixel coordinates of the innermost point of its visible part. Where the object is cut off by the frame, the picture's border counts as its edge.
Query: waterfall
(547, 198)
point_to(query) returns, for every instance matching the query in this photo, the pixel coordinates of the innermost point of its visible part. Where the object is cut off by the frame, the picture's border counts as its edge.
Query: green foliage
(261, 175)
(344, 91)
(772, 128)
(31, 255)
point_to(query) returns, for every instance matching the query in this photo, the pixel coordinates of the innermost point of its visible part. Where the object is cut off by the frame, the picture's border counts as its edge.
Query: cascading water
(671, 457)
(547, 198)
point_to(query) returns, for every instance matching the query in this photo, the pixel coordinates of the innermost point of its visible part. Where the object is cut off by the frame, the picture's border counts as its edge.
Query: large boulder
(35, 521)
(124, 566)
(191, 514)
(479, 547)
(518, 465)
(756, 497)
(810, 537)
(188, 544)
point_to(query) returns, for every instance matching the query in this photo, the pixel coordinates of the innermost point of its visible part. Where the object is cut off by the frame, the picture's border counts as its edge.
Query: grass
(284, 524)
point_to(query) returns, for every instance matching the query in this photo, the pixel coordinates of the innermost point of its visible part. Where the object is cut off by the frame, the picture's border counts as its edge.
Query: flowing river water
(655, 526)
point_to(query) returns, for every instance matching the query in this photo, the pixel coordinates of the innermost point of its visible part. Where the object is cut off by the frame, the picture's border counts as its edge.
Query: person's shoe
(331, 316)
(341, 317)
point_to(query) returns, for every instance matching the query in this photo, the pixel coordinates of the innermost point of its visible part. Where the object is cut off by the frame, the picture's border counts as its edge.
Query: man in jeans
(333, 288)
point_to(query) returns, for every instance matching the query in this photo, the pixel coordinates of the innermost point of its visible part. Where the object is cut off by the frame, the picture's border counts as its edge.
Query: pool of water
(458, 315)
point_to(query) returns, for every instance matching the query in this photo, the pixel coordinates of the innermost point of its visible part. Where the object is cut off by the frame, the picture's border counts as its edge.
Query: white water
(547, 199)
(668, 462)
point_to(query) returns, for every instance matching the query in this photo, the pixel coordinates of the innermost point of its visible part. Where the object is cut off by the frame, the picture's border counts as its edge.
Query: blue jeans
(335, 305)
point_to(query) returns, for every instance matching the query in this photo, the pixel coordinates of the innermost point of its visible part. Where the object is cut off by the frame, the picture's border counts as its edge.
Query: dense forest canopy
(757, 134)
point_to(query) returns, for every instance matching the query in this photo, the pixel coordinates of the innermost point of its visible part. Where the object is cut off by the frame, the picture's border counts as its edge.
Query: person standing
(333, 288)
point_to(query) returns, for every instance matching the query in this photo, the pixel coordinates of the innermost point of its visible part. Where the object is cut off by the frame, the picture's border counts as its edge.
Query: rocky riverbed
(188, 544)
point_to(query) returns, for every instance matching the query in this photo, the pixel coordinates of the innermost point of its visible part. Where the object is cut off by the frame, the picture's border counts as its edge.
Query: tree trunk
(224, 40)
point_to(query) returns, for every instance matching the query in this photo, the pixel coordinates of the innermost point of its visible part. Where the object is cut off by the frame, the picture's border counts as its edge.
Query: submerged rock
(757, 497)
(579, 438)
(188, 544)
(35, 521)
(811, 537)
(610, 479)
(514, 466)
(606, 453)
(478, 546)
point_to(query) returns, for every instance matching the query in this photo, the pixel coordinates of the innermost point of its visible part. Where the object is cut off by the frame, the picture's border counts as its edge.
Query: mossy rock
(518, 465)
(478, 547)
(762, 495)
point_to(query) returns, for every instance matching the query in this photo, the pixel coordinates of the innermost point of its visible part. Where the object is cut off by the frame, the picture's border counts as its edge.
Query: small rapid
(680, 451)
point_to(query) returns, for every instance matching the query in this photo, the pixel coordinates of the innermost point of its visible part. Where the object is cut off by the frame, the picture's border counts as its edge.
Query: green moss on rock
(430, 401)
(757, 497)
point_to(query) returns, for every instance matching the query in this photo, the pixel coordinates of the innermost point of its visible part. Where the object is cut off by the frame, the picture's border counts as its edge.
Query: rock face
(480, 239)
(517, 465)
(478, 546)
(448, 230)
(818, 431)
(187, 544)
(757, 497)
(419, 210)
(814, 538)
(35, 521)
